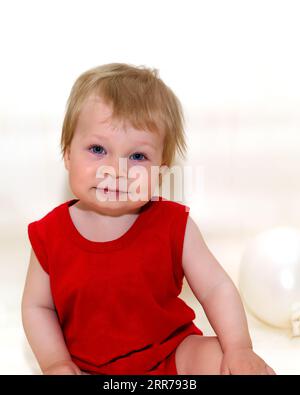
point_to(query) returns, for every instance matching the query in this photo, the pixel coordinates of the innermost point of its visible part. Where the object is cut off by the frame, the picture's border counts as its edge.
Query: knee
(208, 356)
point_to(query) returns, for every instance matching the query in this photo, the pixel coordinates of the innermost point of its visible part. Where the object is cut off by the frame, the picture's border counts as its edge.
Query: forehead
(95, 119)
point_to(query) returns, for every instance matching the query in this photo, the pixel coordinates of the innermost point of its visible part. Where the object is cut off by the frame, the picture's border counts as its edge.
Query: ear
(161, 173)
(162, 168)
(67, 158)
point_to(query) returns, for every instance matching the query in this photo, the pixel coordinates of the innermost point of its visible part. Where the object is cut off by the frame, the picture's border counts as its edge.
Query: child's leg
(199, 355)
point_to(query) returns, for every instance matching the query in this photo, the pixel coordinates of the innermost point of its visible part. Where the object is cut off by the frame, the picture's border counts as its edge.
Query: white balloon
(269, 278)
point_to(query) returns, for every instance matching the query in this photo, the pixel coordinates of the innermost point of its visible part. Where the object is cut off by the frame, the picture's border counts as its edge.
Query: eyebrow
(141, 143)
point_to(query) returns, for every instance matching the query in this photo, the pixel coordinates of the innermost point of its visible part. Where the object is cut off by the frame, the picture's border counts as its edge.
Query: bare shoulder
(194, 244)
(200, 267)
(37, 291)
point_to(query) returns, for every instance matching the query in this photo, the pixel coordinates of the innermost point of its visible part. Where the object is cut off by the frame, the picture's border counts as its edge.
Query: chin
(117, 208)
(121, 207)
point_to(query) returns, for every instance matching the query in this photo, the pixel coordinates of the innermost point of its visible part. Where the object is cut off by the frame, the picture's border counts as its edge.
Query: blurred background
(234, 65)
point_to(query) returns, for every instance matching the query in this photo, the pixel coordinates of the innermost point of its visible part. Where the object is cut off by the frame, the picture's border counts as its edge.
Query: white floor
(277, 347)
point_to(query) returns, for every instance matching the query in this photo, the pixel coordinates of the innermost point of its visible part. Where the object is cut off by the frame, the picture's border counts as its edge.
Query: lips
(111, 190)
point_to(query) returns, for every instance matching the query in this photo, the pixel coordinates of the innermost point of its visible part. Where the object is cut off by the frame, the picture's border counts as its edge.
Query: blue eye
(138, 156)
(99, 150)
(96, 149)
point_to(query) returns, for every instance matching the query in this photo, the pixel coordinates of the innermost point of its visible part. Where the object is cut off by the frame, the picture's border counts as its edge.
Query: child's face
(98, 141)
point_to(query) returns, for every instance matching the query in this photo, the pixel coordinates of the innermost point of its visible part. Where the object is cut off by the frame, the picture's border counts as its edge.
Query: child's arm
(220, 300)
(41, 323)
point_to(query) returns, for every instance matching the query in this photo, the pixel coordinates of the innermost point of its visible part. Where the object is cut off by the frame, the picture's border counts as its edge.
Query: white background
(234, 66)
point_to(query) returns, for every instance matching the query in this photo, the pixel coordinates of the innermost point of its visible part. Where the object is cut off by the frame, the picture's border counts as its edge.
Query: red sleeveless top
(117, 301)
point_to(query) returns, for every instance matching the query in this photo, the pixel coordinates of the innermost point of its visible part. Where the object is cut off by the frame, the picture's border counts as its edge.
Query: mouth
(109, 190)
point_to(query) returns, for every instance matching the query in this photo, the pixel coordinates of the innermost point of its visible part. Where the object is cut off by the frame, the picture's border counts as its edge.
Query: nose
(114, 171)
(116, 166)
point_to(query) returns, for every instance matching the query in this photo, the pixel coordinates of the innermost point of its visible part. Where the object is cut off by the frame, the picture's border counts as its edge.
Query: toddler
(106, 268)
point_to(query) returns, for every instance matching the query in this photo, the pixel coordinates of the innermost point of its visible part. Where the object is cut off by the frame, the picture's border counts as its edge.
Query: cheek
(144, 178)
(82, 171)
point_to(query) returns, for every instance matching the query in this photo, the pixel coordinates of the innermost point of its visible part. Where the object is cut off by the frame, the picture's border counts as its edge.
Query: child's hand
(66, 367)
(244, 361)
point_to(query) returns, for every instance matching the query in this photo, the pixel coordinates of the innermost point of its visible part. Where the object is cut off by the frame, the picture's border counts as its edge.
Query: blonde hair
(137, 95)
